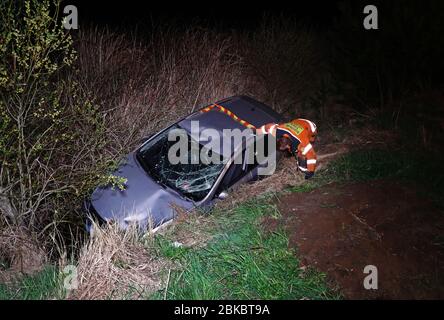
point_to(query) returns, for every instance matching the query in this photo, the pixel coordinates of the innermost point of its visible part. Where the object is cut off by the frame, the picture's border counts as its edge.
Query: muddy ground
(339, 229)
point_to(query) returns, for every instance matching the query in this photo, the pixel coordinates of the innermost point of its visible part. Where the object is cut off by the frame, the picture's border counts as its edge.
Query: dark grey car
(154, 187)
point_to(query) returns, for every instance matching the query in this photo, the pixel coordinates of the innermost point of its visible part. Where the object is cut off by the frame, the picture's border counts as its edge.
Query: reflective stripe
(230, 114)
(271, 129)
(307, 148)
(311, 161)
(312, 125)
(303, 169)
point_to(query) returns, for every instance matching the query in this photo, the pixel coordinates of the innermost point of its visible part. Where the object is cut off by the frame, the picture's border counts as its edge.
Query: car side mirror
(223, 195)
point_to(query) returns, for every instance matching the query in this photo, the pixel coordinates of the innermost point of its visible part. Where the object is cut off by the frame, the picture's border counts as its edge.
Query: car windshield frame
(158, 172)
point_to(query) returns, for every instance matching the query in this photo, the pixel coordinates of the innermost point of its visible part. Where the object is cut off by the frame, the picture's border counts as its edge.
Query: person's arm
(269, 128)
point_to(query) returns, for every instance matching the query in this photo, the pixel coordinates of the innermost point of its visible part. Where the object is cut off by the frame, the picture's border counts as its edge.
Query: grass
(365, 165)
(240, 262)
(43, 285)
(421, 170)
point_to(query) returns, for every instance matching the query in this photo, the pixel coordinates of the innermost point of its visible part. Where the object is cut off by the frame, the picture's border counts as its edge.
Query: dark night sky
(225, 14)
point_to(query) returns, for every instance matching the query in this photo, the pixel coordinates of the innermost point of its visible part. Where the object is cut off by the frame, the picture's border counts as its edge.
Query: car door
(245, 171)
(239, 172)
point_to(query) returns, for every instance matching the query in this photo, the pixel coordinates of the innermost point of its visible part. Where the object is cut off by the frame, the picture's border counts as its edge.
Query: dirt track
(339, 229)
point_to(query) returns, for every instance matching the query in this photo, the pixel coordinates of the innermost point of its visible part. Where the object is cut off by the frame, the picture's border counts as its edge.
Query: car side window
(236, 172)
(232, 173)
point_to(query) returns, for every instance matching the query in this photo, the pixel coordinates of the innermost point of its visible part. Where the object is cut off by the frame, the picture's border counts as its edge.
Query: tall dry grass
(144, 85)
(115, 264)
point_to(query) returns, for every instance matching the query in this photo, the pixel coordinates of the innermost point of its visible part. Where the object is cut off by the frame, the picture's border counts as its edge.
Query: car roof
(251, 110)
(246, 108)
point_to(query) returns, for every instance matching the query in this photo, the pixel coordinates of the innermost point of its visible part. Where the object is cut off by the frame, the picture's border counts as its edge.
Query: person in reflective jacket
(296, 137)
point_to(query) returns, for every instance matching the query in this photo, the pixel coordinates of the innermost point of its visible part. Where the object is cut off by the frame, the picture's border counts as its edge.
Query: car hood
(143, 201)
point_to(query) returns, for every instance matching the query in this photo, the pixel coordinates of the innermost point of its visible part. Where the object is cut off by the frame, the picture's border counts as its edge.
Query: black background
(223, 14)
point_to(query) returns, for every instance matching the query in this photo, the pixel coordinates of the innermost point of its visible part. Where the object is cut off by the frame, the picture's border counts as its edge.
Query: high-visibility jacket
(301, 132)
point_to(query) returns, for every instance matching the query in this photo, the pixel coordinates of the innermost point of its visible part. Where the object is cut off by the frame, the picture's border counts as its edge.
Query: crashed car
(155, 187)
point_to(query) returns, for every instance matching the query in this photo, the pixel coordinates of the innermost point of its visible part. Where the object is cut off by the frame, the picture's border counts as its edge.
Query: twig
(168, 284)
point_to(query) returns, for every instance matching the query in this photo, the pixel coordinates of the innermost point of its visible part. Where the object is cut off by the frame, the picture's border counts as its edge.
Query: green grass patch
(43, 285)
(421, 169)
(306, 187)
(240, 262)
(424, 168)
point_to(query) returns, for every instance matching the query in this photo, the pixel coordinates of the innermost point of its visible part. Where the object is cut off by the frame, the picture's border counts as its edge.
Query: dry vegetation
(116, 264)
(120, 89)
(21, 252)
(143, 86)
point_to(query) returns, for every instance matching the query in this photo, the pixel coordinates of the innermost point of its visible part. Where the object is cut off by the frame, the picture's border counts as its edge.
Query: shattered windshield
(193, 179)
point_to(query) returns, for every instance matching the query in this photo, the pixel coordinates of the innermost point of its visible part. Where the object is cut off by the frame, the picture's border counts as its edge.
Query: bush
(35, 126)
(46, 121)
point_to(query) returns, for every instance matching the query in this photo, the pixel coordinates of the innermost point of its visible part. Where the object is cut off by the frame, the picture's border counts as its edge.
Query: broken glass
(192, 179)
